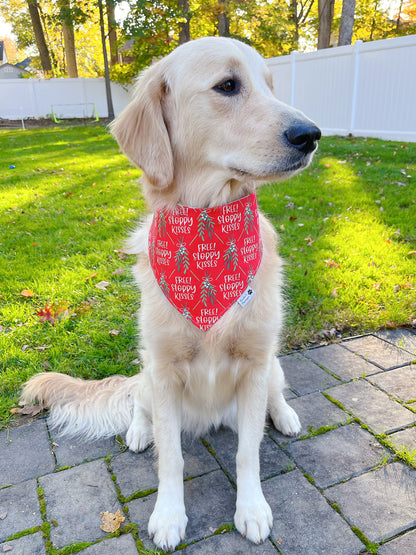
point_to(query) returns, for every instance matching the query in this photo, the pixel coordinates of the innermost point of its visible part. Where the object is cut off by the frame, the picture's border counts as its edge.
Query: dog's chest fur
(209, 365)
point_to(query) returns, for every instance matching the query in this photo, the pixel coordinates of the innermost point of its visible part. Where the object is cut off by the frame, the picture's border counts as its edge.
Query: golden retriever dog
(206, 129)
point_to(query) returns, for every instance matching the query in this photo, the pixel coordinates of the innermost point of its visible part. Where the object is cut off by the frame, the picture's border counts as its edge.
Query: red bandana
(205, 259)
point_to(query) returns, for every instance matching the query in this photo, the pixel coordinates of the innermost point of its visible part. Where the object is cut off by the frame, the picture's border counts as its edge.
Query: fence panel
(366, 89)
(70, 98)
(386, 88)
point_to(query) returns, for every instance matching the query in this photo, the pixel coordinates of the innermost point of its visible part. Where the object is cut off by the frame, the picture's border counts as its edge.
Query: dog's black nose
(303, 137)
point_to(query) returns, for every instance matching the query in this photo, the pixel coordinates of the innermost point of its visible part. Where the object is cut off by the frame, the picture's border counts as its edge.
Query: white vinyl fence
(65, 98)
(367, 89)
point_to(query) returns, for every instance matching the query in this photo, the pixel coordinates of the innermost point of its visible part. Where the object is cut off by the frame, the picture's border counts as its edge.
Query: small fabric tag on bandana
(205, 259)
(246, 296)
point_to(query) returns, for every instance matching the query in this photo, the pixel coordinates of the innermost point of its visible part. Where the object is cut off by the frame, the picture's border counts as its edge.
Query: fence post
(357, 46)
(293, 85)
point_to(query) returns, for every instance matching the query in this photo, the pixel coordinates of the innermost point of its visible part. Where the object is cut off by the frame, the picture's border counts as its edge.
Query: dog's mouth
(278, 169)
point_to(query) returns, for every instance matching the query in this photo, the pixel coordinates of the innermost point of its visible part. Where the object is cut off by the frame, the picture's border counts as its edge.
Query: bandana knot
(205, 259)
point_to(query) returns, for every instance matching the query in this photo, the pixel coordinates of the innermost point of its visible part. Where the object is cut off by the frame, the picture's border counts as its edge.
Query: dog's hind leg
(140, 432)
(284, 418)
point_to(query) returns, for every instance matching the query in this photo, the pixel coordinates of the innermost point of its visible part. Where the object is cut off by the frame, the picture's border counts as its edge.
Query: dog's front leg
(168, 521)
(253, 516)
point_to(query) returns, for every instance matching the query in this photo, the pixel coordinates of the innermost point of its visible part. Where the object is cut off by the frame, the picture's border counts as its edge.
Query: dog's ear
(141, 132)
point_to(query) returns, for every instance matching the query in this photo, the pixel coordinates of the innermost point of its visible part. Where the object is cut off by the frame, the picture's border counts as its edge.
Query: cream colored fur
(197, 147)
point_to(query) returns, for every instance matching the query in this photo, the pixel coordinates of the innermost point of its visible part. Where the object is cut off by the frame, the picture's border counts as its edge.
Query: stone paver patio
(334, 490)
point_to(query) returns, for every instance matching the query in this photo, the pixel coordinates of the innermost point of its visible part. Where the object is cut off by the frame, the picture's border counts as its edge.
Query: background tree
(347, 22)
(85, 21)
(223, 19)
(299, 14)
(184, 23)
(40, 37)
(152, 29)
(405, 18)
(12, 52)
(326, 15)
(372, 21)
(67, 21)
(112, 32)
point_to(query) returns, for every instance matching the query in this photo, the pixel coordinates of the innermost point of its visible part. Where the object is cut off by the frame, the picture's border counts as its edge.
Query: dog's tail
(86, 408)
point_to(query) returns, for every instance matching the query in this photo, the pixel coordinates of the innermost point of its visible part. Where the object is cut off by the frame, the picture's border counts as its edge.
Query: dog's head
(204, 123)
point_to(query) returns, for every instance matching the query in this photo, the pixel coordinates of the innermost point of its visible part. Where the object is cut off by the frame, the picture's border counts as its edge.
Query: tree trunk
(69, 39)
(184, 28)
(112, 34)
(373, 23)
(347, 22)
(399, 15)
(223, 19)
(295, 19)
(106, 70)
(40, 37)
(326, 15)
(70, 54)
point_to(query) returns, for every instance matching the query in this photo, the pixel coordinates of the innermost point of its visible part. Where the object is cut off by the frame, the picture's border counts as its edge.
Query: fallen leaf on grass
(410, 253)
(53, 312)
(102, 285)
(111, 521)
(27, 293)
(45, 314)
(331, 263)
(334, 292)
(405, 285)
(91, 276)
(114, 332)
(118, 272)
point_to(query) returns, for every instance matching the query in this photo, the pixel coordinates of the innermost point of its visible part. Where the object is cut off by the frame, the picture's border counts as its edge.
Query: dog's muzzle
(303, 137)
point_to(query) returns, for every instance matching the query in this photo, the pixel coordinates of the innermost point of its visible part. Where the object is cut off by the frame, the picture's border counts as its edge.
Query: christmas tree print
(250, 276)
(186, 313)
(161, 224)
(208, 291)
(205, 224)
(231, 256)
(163, 285)
(248, 219)
(182, 258)
(152, 250)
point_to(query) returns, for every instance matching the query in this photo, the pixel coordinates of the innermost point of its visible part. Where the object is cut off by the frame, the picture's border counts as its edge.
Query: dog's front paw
(286, 420)
(254, 520)
(167, 526)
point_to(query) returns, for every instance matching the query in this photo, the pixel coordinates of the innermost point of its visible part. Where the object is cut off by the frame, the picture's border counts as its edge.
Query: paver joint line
(343, 485)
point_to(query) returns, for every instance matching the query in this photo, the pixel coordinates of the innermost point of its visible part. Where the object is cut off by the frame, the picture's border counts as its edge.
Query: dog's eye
(228, 87)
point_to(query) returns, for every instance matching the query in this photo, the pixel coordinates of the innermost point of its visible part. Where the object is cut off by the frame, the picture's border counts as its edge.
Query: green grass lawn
(67, 298)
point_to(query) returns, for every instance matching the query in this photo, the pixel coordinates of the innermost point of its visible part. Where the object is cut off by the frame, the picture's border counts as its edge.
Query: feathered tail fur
(90, 409)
